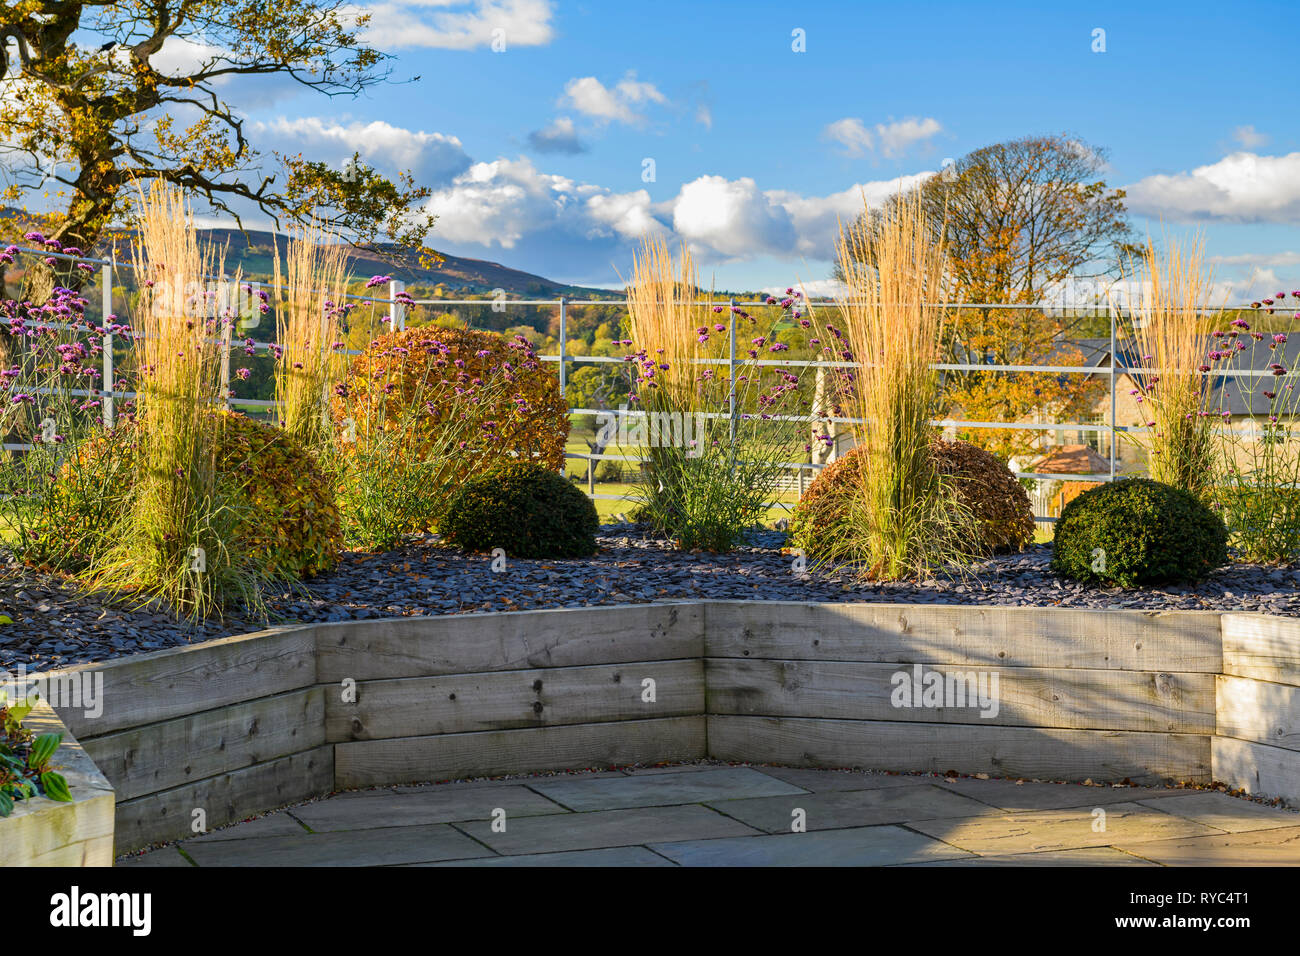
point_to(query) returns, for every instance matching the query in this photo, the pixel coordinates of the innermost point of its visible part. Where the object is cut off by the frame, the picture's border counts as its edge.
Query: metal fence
(396, 317)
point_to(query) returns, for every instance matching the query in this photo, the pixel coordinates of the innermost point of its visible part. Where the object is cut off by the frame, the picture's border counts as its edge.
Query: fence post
(106, 385)
(564, 381)
(1113, 360)
(225, 317)
(731, 368)
(396, 311)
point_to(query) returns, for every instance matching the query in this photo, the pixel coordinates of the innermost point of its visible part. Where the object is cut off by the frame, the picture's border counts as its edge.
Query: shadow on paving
(719, 815)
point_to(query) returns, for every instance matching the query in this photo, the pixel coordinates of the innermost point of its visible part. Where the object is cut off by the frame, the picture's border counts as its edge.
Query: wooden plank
(1158, 642)
(1262, 646)
(44, 832)
(513, 640)
(500, 700)
(1032, 753)
(1025, 696)
(1258, 768)
(180, 751)
(148, 688)
(226, 798)
(366, 763)
(1259, 710)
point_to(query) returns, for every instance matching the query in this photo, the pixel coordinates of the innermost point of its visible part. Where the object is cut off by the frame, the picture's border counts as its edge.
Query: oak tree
(99, 95)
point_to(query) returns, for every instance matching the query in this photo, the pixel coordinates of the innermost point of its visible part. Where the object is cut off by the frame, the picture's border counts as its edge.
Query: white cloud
(851, 134)
(817, 219)
(512, 205)
(1249, 138)
(558, 137)
(592, 98)
(704, 116)
(457, 24)
(892, 139)
(628, 215)
(731, 218)
(1259, 259)
(1241, 187)
(432, 157)
(500, 203)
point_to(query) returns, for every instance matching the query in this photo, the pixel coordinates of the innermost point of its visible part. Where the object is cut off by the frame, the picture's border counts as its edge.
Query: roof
(1071, 460)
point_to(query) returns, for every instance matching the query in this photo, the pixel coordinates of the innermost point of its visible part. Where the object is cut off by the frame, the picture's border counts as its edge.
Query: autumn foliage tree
(140, 94)
(1023, 221)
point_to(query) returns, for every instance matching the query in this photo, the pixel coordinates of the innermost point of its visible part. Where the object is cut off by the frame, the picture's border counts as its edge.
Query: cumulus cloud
(456, 24)
(433, 158)
(1249, 138)
(511, 204)
(731, 218)
(1259, 259)
(891, 139)
(1241, 187)
(592, 98)
(501, 202)
(558, 137)
(628, 215)
(817, 219)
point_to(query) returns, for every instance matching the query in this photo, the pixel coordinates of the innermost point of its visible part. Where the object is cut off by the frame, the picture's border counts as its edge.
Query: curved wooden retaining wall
(245, 724)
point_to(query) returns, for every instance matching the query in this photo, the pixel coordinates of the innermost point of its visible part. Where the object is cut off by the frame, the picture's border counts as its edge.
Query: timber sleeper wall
(242, 725)
(1257, 746)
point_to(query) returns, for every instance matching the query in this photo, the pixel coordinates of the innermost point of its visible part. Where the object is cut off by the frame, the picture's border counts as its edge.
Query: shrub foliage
(284, 516)
(1138, 532)
(528, 420)
(981, 484)
(526, 510)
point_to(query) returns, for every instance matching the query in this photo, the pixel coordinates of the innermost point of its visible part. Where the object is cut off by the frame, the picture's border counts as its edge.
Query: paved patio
(719, 815)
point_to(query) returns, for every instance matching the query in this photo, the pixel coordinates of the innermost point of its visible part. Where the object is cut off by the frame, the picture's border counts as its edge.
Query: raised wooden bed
(44, 832)
(242, 725)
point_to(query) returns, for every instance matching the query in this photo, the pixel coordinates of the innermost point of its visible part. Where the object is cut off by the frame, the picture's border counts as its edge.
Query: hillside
(252, 253)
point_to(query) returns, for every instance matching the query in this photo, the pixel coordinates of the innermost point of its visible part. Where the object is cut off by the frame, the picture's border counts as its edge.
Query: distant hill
(252, 253)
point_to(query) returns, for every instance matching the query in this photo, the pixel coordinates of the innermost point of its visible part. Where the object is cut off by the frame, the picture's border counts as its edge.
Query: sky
(554, 135)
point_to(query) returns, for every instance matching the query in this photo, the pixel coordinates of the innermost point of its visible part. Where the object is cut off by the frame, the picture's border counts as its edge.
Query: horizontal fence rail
(396, 303)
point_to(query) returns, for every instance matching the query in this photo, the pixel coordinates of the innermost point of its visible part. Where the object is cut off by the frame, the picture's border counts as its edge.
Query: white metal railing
(396, 317)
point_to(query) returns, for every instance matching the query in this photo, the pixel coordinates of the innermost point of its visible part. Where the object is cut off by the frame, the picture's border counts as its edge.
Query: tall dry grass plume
(311, 292)
(904, 520)
(662, 314)
(1173, 325)
(175, 539)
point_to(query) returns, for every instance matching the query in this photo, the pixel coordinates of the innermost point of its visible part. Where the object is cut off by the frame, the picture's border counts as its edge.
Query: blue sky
(536, 152)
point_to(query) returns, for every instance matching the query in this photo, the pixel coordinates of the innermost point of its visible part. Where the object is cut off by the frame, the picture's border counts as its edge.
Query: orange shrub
(520, 407)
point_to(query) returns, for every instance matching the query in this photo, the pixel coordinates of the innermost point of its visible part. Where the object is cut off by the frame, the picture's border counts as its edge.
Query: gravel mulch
(56, 623)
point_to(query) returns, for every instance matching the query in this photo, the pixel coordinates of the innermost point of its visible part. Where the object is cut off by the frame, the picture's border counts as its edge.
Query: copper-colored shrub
(983, 485)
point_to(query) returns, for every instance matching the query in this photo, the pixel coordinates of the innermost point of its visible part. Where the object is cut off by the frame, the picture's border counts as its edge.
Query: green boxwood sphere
(526, 510)
(1138, 532)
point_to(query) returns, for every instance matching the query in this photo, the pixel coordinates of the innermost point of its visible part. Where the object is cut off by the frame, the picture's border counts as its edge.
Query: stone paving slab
(167, 856)
(606, 828)
(719, 815)
(614, 856)
(414, 807)
(822, 781)
(1037, 830)
(1269, 847)
(1010, 795)
(839, 809)
(1223, 812)
(659, 790)
(281, 823)
(382, 847)
(860, 846)
(1085, 856)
